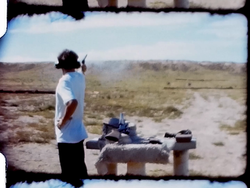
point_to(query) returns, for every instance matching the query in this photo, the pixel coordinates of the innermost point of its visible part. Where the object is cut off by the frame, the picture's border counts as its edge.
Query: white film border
(3, 17)
(2, 171)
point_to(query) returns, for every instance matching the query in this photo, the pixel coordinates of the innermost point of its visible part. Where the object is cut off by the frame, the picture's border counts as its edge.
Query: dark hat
(67, 60)
(113, 122)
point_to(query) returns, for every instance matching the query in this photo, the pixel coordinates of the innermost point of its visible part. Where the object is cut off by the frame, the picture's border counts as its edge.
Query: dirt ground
(203, 117)
(210, 4)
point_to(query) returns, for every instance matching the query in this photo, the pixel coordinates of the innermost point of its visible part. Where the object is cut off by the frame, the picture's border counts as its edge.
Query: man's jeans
(72, 160)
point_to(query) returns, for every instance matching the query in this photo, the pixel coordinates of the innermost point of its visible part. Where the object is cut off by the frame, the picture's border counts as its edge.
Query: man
(69, 128)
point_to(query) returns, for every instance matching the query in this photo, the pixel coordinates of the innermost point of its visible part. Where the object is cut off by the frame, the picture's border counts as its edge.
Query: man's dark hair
(68, 60)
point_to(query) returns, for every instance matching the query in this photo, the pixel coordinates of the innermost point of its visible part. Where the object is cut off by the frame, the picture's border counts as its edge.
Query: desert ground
(208, 4)
(207, 98)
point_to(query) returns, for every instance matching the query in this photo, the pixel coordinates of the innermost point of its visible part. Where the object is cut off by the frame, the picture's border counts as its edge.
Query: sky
(127, 36)
(136, 184)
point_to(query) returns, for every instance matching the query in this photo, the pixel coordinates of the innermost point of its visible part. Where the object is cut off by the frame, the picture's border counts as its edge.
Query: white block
(181, 163)
(136, 169)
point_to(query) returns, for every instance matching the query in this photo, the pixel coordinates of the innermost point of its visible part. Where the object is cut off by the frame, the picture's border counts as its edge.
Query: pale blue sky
(127, 36)
(136, 184)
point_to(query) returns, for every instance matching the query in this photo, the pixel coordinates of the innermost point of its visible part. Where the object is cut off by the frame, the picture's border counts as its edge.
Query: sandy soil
(211, 4)
(202, 116)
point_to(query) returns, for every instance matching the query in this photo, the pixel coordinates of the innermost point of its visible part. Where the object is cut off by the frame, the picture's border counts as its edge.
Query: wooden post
(134, 168)
(137, 3)
(181, 163)
(112, 168)
(181, 3)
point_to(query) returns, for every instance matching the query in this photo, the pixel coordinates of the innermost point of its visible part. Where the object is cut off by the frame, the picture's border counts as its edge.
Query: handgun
(83, 61)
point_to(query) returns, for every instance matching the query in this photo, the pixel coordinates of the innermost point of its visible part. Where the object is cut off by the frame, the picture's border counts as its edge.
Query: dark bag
(112, 124)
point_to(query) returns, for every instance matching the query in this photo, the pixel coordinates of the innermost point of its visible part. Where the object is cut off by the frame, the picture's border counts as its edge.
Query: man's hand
(70, 109)
(60, 123)
(84, 68)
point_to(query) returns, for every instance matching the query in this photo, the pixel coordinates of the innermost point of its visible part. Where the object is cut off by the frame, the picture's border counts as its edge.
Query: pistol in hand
(83, 61)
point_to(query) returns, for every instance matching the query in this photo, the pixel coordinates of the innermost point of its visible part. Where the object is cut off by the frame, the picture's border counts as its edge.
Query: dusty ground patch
(157, 97)
(203, 117)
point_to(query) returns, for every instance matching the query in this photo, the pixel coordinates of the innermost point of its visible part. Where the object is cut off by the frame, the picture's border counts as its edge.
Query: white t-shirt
(70, 86)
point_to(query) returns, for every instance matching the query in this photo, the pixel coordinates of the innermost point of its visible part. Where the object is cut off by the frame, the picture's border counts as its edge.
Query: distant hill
(48, 67)
(43, 75)
(236, 68)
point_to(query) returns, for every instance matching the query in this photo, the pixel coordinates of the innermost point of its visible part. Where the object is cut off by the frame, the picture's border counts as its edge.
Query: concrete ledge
(109, 158)
(170, 142)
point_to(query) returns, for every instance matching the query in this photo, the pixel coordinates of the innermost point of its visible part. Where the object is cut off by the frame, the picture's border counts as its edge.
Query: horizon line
(126, 60)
